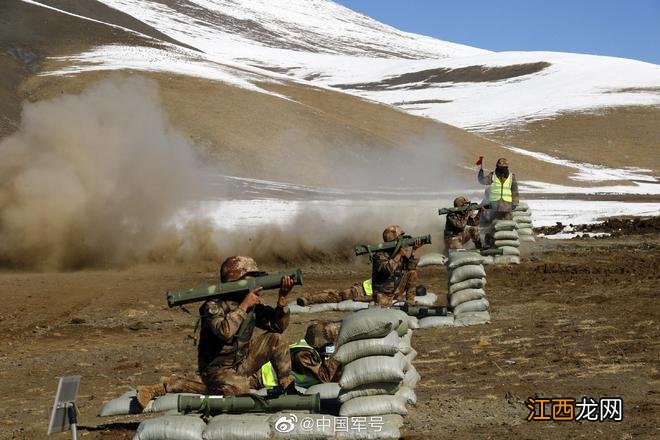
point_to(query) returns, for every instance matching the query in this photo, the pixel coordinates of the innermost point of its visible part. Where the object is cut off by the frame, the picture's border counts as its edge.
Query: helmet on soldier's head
(460, 201)
(235, 268)
(502, 162)
(322, 334)
(392, 232)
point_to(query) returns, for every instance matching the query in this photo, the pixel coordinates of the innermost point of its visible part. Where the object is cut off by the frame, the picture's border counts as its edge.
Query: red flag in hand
(480, 161)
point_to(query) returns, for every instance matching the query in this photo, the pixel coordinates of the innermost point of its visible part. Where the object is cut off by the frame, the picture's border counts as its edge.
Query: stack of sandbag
(507, 240)
(523, 217)
(378, 378)
(467, 279)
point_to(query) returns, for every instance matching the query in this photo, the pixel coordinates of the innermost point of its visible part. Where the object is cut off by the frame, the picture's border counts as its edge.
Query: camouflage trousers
(246, 375)
(457, 241)
(406, 289)
(355, 292)
(178, 384)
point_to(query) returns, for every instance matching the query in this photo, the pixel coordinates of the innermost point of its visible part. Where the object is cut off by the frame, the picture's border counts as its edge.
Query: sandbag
(168, 401)
(472, 318)
(505, 225)
(473, 283)
(374, 322)
(505, 235)
(125, 404)
(329, 390)
(387, 346)
(463, 273)
(371, 389)
(349, 304)
(527, 238)
(525, 231)
(507, 259)
(522, 217)
(411, 356)
(237, 427)
(488, 260)
(405, 344)
(374, 406)
(509, 250)
(295, 309)
(432, 260)
(411, 378)
(522, 206)
(378, 427)
(373, 369)
(426, 300)
(413, 322)
(436, 321)
(465, 296)
(463, 258)
(502, 243)
(408, 394)
(323, 307)
(171, 428)
(477, 305)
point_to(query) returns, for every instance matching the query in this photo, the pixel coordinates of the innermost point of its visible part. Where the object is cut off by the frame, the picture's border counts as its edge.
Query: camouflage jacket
(310, 364)
(386, 273)
(226, 331)
(457, 221)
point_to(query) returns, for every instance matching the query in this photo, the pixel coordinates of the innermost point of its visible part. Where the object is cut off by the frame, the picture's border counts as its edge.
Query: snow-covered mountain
(320, 70)
(327, 44)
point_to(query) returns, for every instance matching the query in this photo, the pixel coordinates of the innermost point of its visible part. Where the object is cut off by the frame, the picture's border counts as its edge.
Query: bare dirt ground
(577, 318)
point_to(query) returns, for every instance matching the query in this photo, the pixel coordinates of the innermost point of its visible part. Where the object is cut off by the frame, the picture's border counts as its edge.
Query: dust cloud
(96, 179)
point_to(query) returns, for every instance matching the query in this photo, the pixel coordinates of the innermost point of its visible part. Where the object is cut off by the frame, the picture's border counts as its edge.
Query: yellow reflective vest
(269, 375)
(500, 190)
(368, 289)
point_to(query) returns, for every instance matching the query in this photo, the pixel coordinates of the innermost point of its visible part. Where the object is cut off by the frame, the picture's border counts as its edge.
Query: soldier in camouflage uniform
(356, 293)
(229, 357)
(394, 276)
(461, 227)
(311, 361)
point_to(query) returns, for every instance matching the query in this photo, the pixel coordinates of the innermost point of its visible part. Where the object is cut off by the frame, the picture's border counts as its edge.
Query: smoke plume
(96, 179)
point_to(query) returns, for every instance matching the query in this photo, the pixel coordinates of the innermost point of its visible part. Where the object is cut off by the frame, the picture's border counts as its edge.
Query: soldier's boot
(148, 392)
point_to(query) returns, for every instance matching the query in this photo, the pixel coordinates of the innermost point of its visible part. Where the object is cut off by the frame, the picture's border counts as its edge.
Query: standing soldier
(395, 275)
(502, 191)
(461, 227)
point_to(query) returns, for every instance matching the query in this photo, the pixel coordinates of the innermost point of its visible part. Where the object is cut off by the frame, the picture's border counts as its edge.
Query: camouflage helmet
(321, 334)
(460, 201)
(235, 268)
(502, 162)
(392, 232)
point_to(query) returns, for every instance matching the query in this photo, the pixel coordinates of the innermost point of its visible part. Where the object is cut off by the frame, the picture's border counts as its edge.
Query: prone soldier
(357, 292)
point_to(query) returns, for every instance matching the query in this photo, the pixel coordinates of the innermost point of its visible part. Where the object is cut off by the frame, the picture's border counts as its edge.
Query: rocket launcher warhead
(266, 282)
(405, 241)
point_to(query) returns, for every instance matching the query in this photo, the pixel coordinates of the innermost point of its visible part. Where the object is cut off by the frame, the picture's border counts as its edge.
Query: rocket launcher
(213, 405)
(266, 282)
(405, 241)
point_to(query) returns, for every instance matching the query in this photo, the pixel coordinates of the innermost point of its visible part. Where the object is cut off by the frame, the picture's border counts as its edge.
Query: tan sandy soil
(616, 137)
(577, 318)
